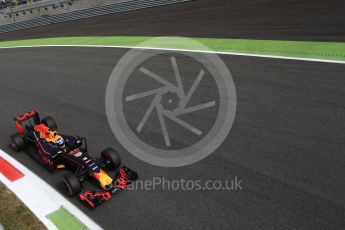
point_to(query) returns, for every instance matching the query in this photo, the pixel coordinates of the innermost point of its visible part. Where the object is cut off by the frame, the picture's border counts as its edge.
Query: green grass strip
(299, 49)
(64, 220)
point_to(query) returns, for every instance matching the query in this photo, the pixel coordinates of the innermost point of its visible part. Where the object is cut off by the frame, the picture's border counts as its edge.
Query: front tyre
(71, 183)
(50, 122)
(111, 159)
(17, 142)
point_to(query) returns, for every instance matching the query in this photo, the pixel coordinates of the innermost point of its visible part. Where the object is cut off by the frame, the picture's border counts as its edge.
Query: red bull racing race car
(56, 151)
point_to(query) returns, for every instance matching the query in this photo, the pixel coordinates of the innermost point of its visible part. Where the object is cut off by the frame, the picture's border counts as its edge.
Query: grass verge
(14, 215)
(300, 49)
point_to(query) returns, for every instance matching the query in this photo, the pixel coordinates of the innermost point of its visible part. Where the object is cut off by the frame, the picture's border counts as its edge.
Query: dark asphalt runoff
(315, 20)
(286, 144)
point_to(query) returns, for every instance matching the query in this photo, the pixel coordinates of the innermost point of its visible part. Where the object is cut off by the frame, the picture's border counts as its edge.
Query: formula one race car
(56, 151)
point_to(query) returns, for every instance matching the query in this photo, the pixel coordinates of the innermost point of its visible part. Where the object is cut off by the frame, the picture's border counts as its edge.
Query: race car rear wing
(32, 114)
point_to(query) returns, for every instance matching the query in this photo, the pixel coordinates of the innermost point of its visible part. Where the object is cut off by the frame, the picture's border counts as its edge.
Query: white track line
(40, 197)
(187, 50)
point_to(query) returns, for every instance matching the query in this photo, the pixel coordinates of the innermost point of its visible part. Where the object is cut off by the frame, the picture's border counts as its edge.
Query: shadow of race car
(56, 151)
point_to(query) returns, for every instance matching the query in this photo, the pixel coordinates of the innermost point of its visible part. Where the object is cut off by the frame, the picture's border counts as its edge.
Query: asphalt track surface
(316, 20)
(286, 144)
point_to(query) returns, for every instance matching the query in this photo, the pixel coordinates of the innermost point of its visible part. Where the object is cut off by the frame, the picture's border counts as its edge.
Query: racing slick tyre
(111, 159)
(17, 142)
(72, 184)
(50, 122)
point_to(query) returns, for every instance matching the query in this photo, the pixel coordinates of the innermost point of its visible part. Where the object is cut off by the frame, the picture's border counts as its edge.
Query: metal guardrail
(87, 13)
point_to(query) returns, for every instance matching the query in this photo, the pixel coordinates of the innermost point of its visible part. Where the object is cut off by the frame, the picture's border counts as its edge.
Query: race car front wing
(122, 179)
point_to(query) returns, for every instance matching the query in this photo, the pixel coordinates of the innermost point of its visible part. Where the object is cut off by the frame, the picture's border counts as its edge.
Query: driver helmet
(60, 142)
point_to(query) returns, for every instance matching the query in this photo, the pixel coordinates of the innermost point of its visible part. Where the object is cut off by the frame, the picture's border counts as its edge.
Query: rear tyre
(111, 159)
(17, 142)
(71, 183)
(50, 122)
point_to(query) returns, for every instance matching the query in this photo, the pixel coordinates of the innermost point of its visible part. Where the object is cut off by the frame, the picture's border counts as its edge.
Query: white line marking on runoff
(40, 197)
(187, 50)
